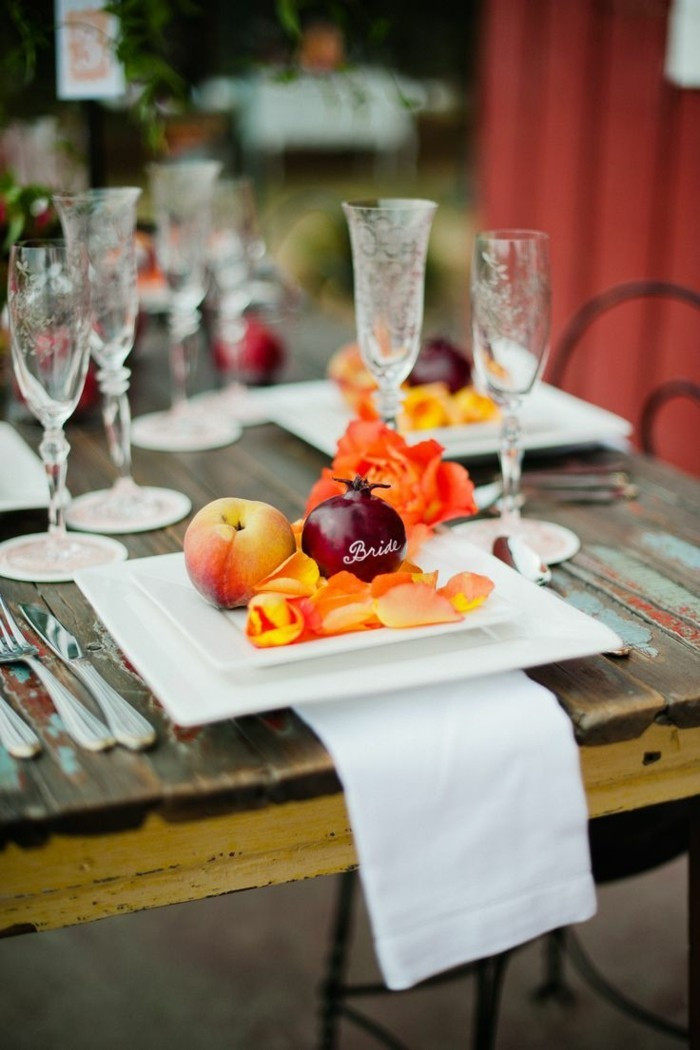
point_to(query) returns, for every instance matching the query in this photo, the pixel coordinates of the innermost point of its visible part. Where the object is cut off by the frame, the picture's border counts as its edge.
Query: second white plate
(219, 635)
(317, 413)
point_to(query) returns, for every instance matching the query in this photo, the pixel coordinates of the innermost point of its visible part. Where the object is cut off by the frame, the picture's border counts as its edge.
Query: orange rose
(423, 489)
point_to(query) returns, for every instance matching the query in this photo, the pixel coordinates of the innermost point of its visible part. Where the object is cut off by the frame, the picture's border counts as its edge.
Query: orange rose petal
(415, 605)
(344, 603)
(272, 621)
(353, 616)
(467, 590)
(385, 581)
(297, 576)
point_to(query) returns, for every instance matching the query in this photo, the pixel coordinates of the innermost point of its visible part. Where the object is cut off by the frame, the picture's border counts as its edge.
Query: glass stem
(183, 327)
(511, 455)
(116, 414)
(389, 403)
(54, 449)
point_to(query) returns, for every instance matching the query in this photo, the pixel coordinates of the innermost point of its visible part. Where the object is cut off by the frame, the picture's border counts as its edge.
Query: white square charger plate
(23, 483)
(193, 692)
(317, 413)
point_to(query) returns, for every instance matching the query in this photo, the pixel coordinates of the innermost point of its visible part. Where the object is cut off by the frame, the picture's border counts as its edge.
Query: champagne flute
(510, 291)
(49, 308)
(389, 240)
(105, 221)
(233, 254)
(182, 196)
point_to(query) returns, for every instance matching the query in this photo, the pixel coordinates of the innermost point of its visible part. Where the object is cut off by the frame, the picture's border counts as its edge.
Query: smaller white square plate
(219, 635)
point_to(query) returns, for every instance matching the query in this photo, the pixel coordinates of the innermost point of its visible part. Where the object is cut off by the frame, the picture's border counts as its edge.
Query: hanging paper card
(86, 63)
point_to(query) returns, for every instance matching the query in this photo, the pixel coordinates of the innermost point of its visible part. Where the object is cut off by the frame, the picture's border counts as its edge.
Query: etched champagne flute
(510, 293)
(389, 240)
(182, 193)
(49, 308)
(234, 249)
(105, 221)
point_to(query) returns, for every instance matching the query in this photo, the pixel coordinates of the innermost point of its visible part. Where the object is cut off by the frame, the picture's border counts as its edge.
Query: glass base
(114, 512)
(41, 558)
(553, 543)
(185, 430)
(237, 402)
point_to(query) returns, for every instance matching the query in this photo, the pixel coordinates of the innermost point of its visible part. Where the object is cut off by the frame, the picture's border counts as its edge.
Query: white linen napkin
(469, 818)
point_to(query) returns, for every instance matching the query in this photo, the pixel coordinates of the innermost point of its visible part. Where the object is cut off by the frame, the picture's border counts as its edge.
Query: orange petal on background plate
(415, 605)
(467, 590)
(272, 621)
(297, 576)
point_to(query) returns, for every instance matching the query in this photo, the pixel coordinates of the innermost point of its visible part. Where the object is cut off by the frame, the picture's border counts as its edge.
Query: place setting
(514, 624)
(388, 633)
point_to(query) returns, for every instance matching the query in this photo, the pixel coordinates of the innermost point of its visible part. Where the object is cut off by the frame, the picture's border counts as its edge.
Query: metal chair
(599, 304)
(622, 845)
(336, 990)
(669, 391)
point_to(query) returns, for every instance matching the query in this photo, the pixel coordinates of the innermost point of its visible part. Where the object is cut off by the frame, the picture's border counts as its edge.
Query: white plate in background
(318, 414)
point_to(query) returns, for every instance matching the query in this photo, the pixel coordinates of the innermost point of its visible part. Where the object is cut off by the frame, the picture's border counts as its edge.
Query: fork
(18, 739)
(80, 724)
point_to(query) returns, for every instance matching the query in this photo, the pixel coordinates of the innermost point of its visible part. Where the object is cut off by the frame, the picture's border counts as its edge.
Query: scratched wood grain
(638, 571)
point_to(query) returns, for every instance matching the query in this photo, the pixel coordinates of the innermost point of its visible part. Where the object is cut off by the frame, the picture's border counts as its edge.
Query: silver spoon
(515, 552)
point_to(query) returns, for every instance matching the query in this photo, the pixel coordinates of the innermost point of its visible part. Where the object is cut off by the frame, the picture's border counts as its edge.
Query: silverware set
(123, 725)
(589, 484)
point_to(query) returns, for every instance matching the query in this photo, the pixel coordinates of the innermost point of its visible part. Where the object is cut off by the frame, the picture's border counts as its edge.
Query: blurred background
(580, 117)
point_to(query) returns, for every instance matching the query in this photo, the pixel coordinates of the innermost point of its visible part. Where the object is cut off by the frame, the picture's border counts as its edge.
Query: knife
(127, 725)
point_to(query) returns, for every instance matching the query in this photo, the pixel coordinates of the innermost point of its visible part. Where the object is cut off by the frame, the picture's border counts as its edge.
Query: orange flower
(423, 489)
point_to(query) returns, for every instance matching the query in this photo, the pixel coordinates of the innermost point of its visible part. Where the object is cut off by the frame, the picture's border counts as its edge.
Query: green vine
(144, 47)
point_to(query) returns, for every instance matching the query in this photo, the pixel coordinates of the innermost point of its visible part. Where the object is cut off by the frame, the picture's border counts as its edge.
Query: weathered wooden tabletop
(256, 800)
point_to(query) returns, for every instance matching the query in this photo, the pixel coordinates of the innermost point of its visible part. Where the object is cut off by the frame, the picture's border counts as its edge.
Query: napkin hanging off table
(469, 818)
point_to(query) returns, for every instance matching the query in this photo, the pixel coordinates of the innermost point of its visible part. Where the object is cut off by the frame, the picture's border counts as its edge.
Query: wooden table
(256, 801)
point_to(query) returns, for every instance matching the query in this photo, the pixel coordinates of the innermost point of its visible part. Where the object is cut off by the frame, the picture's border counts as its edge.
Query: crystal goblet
(105, 221)
(49, 309)
(389, 239)
(182, 194)
(510, 292)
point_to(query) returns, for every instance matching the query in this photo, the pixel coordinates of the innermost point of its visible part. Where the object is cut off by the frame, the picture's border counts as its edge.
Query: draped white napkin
(469, 818)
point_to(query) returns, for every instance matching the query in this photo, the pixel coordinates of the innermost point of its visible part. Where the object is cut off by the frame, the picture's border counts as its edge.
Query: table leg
(694, 927)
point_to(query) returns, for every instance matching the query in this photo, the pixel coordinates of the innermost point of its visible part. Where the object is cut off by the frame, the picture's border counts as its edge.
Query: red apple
(231, 544)
(262, 353)
(440, 361)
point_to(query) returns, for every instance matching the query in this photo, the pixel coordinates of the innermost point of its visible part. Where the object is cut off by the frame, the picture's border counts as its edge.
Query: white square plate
(219, 635)
(318, 414)
(544, 629)
(22, 478)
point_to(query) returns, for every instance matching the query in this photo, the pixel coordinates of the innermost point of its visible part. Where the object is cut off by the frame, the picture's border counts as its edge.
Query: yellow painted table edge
(73, 879)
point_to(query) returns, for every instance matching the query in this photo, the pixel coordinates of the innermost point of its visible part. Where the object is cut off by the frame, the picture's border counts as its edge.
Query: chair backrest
(599, 304)
(661, 395)
(569, 339)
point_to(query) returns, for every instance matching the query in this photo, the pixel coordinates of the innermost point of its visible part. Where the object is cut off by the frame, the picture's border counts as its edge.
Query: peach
(231, 544)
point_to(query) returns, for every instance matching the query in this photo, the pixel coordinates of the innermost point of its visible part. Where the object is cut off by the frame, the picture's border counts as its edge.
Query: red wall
(581, 135)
